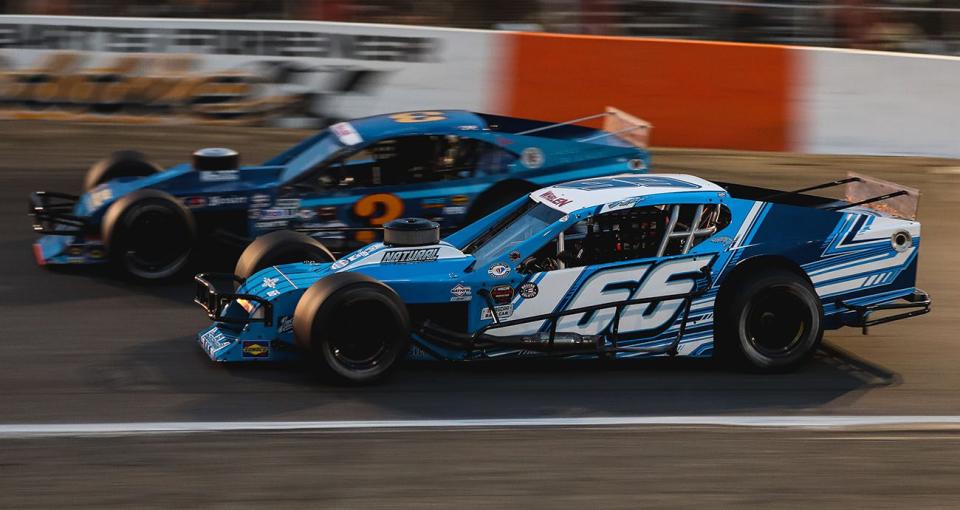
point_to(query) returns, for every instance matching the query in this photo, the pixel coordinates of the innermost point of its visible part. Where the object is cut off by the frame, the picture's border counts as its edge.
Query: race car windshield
(325, 147)
(535, 218)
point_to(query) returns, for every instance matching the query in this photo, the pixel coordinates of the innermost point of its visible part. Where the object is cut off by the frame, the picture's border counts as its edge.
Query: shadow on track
(490, 389)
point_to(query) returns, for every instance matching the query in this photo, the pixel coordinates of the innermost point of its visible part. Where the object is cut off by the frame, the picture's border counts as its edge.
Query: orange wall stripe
(696, 94)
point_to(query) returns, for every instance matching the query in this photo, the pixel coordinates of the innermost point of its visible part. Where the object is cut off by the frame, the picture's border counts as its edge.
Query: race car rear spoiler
(864, 191)
(616, 122)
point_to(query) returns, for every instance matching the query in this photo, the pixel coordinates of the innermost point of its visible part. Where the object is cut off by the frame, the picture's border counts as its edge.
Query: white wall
(852, 102)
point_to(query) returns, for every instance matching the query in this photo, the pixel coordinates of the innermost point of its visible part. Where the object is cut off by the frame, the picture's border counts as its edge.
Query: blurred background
(921, 26)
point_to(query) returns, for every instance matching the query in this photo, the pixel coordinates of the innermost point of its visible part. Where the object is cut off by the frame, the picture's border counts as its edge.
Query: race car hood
(180, 181)
(411, 271)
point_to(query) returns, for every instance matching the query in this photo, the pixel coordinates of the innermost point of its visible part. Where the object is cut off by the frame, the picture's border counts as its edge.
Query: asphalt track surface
(84, 347)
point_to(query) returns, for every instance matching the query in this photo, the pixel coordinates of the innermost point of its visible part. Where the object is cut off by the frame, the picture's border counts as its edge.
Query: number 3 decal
(379, 208)
(408, 117)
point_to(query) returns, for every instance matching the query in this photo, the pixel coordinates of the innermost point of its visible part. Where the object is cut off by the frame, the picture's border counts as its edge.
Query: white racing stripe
(9, 431)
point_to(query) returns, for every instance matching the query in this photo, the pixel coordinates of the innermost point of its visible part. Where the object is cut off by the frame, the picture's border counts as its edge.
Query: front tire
(356, 329)
(119, 164)
(280, 247)
(149, 234)
(770, 321)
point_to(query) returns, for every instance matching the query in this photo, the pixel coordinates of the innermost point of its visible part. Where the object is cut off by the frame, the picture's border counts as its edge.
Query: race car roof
(575, 195)
(408, 123)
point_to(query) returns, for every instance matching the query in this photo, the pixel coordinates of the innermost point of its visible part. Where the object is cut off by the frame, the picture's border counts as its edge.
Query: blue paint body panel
(846, 255)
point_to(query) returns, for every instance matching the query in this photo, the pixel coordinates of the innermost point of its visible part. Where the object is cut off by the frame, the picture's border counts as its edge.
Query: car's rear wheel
(149, 234)
(355, 328)
(280, 247)
(771, 321)
(119, 164)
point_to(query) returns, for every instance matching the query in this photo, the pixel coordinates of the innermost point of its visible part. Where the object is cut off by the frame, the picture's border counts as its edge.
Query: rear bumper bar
(912, 305)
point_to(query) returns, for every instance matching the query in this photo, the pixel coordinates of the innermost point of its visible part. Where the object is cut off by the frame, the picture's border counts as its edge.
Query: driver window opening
(411, 160)
(636, 233)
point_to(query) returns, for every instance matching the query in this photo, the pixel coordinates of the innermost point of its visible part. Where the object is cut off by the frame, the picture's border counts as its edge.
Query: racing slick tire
(119, 164)
(280, 247)
(356, 328)
(149, 234)
(770, 320)
(496, 197)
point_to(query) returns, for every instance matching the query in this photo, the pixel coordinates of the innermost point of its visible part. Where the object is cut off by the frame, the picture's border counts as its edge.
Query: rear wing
(860, 190)
(883, 196)
(616, 122)
(628, 128)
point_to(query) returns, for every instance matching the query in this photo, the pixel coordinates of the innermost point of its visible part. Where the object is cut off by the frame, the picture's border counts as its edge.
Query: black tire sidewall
(732, 321)
(281, 247)
(318, 309)
(126, 222)
(120, 164)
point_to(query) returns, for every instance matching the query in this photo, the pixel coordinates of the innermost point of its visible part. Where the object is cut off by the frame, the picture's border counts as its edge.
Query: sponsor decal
(353, 257)
(514, 255)
(461, 292)
(636, 164)
(346, 133)
(253, 214)
(260, 200)
(532, 157)
(410, 256)
(256, 349)
(468, 127)
(501, 294)
(499, 270)
(75, 251)
(288, 203)
(267, 225)
(98, 197)
(277, 214)
(216, 201)
(503, 312)
(219, 175)
(459, 200)
(269, 282)
(273, 293)
(528, 290)
(195, 202)
(306, 214)
(721, 240)
(97, 253)
(454, 210)
(623, 204)
(213, 340)
(549, 196)
(433, 203)
(412, 117)
(286, 324)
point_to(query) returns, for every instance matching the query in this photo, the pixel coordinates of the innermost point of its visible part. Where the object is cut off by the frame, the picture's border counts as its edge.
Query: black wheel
(770, 321)
(496, 197)
(355, 328)
(280, 247)
(119, 164)
(149, 234)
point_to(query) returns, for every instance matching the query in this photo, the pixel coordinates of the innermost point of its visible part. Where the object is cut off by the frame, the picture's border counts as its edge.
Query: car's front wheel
(770, 320)
(356, 328)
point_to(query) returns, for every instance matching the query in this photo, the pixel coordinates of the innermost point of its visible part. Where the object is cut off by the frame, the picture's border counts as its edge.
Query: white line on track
(146, 428)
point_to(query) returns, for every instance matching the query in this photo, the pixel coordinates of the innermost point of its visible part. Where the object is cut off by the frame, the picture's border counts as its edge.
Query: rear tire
(356, 329)
(119, 164)
(769, 321)
(149, 234)
(280, 247)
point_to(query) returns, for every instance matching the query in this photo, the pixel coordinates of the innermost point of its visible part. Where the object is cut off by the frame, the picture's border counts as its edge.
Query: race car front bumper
(68, 239)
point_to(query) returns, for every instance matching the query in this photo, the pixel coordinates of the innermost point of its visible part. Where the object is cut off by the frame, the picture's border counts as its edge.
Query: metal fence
(923, 26)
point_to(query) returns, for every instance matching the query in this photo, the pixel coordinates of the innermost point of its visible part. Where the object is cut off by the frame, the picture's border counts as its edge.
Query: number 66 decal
(671, 277)
(378, 208)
